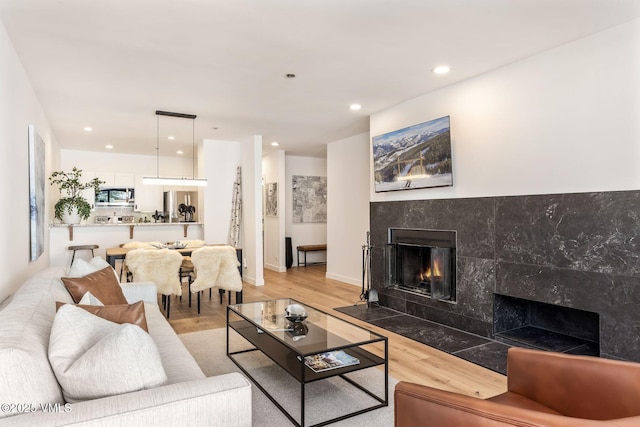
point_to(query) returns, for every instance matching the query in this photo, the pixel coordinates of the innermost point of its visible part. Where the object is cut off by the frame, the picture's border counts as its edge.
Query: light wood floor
(408, 359)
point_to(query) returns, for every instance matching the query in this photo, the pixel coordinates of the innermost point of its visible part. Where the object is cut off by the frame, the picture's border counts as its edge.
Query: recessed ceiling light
(275, 143)
(441, 69)
(88, 129)
(172, 138)
(109, 147)
(179, 152)
(355, 107)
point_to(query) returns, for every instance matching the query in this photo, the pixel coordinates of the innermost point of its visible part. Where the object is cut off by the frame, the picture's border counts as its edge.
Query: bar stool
(82, 248)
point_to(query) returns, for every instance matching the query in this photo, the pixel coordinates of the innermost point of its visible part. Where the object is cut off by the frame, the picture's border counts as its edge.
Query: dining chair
(135, 245)
(216, 266)
(161, 266)
(187, 271)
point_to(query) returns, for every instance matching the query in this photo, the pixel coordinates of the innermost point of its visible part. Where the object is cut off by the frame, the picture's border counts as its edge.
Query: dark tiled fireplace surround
(577, 251)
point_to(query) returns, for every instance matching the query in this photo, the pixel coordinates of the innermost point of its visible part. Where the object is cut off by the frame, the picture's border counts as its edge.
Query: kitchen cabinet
(112, 179)
(107, 177)
(126, 180)
(149, 198)
(88, 193)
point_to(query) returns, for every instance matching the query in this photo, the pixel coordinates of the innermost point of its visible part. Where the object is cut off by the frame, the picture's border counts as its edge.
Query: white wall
(94, 161)
(220, 160)
(19, 107)
(347, 207)
(252, 210)
(218, 163)
(563, 121)
(304, 233)
(273, 171)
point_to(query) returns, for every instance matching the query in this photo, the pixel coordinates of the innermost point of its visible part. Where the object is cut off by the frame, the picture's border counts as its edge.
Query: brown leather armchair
(543, 389)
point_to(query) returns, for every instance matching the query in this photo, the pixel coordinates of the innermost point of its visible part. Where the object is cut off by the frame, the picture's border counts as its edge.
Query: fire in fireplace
(422, 262)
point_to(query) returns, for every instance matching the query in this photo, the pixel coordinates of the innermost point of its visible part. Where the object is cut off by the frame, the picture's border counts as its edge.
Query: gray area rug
(325, 399)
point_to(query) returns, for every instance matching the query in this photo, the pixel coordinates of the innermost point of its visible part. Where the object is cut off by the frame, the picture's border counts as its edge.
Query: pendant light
(157, 180)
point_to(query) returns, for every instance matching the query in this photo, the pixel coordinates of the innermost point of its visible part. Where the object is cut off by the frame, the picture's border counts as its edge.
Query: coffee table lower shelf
(295, 367)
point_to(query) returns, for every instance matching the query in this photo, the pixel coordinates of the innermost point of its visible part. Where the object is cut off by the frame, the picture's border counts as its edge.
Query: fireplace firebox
(422, 262)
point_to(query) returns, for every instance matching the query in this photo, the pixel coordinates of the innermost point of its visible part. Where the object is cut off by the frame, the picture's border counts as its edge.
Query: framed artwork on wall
(417, 156)
(36, 193)
(271, 199)
(309, 194)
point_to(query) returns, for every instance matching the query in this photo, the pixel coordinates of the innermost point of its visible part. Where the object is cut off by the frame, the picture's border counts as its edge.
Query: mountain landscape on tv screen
(414, 157)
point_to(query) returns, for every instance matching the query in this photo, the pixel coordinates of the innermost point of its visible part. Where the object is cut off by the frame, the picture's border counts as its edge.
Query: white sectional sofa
(28, 383)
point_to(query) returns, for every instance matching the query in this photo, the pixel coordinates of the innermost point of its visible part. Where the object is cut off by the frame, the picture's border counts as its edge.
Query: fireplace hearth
(422, 262)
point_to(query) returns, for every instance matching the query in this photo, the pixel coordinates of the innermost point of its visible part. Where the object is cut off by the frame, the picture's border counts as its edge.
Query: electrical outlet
(244, 263)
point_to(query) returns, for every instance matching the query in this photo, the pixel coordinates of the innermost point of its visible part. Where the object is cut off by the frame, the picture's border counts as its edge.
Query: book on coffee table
(330, 360)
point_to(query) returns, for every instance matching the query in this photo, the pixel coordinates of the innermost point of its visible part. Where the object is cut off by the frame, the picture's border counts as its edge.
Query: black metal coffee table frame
(289, 354)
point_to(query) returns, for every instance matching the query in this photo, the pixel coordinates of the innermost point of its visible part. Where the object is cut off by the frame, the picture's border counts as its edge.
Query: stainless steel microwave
(115, 196)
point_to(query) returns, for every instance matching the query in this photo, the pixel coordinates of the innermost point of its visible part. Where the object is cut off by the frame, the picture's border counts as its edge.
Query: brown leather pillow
(103, 284)
(121, 313)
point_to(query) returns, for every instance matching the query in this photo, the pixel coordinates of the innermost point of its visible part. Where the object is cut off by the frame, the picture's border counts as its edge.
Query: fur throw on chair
(216, 267)
(142, 245)
(161, 266)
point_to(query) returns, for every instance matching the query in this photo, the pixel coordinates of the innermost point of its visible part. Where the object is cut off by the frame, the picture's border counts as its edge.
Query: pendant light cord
(193, 149)
(157, 146)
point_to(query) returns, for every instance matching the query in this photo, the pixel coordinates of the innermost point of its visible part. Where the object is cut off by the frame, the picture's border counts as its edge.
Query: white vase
(72, 218)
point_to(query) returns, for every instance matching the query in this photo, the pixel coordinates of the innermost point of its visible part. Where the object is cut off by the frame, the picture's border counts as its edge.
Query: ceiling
(111, 64)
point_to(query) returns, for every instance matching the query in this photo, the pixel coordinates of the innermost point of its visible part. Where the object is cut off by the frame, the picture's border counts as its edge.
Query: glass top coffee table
(320, 347)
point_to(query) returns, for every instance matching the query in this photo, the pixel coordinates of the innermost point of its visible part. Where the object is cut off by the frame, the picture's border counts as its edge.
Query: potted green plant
(72, 206)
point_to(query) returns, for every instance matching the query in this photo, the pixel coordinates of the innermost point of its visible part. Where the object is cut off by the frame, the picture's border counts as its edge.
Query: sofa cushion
(102, 284)
(178, 363)
(25, 324)
(121, 313)
(47, 282)
(93, 357)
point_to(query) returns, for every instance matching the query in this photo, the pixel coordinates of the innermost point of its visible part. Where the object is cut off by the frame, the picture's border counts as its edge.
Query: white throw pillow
(81, 268)
(93, 357)
(89, 299)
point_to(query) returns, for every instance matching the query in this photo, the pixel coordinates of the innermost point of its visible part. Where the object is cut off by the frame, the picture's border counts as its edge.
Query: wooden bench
(310, 248)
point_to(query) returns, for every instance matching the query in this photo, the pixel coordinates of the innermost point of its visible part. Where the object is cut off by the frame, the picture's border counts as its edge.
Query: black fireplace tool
(368, 294)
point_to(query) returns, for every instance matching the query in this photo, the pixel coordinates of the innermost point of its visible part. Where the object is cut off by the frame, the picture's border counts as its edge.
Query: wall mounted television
(418, 156)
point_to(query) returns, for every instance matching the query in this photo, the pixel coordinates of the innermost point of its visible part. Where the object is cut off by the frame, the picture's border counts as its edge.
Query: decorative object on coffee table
(295, 313)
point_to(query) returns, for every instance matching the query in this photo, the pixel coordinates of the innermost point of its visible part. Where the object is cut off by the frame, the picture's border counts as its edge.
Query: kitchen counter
(128, 224)
(61, 236)
(131, 226)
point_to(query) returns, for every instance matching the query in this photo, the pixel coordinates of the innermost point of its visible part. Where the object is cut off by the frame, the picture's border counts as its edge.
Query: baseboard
(253, 281)
(345, 279)
(276, 268)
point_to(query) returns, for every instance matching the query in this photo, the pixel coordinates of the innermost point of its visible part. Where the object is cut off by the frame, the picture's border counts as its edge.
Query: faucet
(157, 216)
